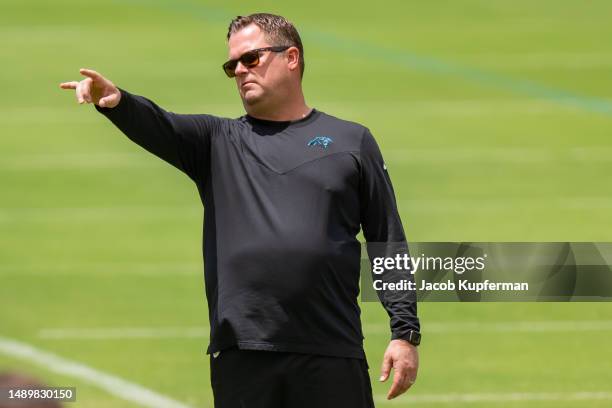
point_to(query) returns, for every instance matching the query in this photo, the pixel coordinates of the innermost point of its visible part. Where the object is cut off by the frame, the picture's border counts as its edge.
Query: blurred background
(495, 121)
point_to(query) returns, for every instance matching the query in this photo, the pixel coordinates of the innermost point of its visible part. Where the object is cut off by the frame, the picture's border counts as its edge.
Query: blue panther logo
(321, 141)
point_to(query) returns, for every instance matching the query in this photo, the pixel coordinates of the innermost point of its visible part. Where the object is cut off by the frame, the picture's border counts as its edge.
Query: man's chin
(251, 98)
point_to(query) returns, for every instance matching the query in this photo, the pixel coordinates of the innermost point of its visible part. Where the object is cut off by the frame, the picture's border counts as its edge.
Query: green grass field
(495, 119)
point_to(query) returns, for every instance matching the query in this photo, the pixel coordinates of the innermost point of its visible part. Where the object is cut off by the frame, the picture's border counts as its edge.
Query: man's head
(278, 73)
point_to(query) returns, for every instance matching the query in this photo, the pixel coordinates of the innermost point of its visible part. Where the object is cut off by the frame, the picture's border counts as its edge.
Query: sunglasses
(249, 59)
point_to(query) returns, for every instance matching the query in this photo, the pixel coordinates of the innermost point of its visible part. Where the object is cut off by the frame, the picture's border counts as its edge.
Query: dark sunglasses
(249, 59)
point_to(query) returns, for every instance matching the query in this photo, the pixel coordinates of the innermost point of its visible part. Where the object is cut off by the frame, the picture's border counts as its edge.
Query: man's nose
(241, 69)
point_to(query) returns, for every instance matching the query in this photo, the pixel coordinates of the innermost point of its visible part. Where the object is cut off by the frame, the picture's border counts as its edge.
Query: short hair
(277, 30)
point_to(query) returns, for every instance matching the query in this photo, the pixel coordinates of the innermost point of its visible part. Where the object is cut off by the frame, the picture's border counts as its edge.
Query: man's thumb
(385, 369)
(107, 101)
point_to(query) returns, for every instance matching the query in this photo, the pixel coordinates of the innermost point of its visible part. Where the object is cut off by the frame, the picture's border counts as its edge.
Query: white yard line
(109, 333)
(429, 155)
(86, 160)
(125, 333)
(77, 215)
(138, 213)
(481, 155)
(408, 399)
(501, 106)
(503, 327)
(496, 204)
(458, 107)
(133, 268)
(109, 383)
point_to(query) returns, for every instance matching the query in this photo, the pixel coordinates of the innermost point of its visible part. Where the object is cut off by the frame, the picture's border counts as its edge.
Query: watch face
(415, 338)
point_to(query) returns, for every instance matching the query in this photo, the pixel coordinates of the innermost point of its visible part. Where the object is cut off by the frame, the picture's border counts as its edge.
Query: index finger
(90, 73)
(69, 85)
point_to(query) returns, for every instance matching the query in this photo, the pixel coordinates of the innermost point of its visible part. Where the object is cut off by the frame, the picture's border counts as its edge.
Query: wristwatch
(413, 337)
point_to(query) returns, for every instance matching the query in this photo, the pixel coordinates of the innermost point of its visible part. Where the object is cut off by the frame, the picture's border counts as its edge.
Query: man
(285, 189)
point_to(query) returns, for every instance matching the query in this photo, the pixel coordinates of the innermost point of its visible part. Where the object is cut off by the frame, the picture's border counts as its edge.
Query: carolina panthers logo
(321, 141)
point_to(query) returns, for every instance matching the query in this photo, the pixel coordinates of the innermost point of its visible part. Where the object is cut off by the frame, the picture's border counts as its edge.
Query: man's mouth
(248, 82)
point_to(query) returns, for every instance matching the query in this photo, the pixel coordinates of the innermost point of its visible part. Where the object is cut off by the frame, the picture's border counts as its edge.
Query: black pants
(270, 379)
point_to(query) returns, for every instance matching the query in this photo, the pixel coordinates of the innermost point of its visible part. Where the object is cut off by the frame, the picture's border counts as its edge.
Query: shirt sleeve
(384, 234)
(183, 140)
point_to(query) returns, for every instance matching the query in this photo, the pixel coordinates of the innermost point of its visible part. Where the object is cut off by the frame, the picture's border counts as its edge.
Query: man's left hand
(403, 357)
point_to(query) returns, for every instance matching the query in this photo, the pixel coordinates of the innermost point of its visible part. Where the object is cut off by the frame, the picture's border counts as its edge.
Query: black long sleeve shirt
(284, 202)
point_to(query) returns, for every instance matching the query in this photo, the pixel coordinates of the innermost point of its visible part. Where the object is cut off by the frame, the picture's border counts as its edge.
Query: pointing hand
(94, 89)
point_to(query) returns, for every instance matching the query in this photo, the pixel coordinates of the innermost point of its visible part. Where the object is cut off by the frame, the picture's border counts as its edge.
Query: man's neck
(295, 109)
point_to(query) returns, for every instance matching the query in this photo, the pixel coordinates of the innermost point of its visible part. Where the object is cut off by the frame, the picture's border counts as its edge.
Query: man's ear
(293, 58)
